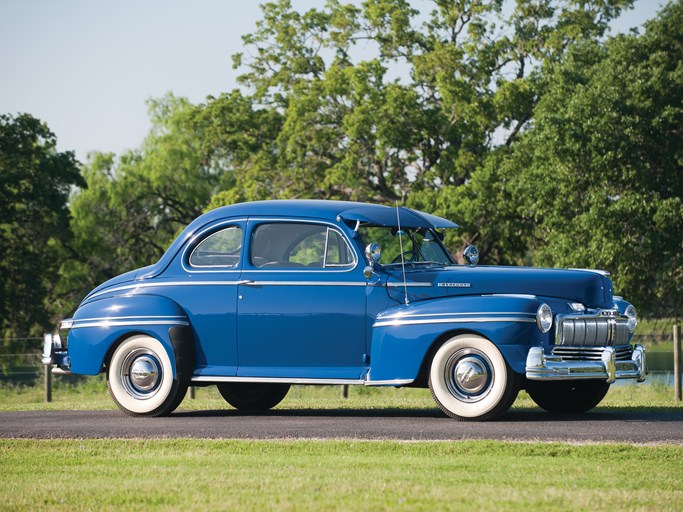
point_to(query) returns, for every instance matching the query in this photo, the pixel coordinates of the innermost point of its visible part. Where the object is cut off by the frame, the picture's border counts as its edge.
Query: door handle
(246, 282)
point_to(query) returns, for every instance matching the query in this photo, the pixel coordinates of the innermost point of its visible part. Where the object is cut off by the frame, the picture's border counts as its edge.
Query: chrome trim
(412, 284)
(276, 380)
(600, 329)
(541, 366)
(511, 295)
(76, 321)
(603, 273)
(303, 381)
(391, 382)
(198, 234)
(569, 353)
(454, 285)
(302, 283)
(135, 323)
(392, 323)
(194, 268)
(348, 268)
(162, 284)
(400, 316)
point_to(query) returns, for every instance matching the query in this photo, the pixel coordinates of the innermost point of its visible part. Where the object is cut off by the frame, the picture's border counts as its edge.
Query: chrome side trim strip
(394, 382)
(391, 323)
(276, 380)
(412, 284)
(303, 283)
(132, 317)
(399, 316)
(123, 323)
(163, 283)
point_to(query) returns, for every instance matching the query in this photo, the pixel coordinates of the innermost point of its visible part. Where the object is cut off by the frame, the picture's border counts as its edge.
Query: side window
(220, 249)
(295, 245)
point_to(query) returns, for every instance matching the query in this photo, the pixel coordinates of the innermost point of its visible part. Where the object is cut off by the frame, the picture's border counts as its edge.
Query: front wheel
(470, 380)
(140, 378)
(567, 397)
(257, 396)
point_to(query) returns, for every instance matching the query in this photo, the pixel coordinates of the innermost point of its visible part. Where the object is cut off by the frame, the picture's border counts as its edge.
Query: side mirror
(373, 252)
(471, 255)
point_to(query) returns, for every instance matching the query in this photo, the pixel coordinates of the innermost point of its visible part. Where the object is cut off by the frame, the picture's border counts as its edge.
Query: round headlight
(544, 318)
(632, 316)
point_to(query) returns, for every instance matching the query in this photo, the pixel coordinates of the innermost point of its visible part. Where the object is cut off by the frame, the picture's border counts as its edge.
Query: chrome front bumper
(54, 351)
(542, 366)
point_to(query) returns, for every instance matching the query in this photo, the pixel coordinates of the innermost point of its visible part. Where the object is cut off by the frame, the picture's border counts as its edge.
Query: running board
(288, 380)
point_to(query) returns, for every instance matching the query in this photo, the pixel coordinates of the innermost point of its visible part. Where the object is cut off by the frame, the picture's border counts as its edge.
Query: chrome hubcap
(141, 373)
(468, 375)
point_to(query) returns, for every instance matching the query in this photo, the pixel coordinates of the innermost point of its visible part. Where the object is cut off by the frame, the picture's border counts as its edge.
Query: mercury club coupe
(255, 297)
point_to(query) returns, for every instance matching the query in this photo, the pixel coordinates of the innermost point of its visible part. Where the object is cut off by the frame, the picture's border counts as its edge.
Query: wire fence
(26, 369)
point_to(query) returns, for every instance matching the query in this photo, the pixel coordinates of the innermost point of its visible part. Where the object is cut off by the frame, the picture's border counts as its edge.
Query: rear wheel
(140, 378)
(569, 396)
(470, 380)
(256, 396)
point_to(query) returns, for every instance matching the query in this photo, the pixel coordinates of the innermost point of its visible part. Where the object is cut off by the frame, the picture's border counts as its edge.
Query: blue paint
(291, 320)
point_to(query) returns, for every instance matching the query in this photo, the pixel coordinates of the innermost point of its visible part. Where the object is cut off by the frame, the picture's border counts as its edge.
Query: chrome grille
(592, 331)
(622, 353)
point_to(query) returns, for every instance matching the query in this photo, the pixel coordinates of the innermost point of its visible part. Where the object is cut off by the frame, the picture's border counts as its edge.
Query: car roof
(333, 211)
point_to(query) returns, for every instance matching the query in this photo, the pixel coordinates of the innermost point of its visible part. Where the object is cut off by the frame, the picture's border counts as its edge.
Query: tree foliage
(135, 205)
(378, 101)
(35, 180)
(598, 179)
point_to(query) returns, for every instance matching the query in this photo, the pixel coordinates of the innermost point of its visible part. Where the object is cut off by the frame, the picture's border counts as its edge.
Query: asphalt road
(609, 425)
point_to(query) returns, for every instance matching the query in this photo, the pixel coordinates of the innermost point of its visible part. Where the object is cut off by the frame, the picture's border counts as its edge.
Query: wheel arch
(423, 373)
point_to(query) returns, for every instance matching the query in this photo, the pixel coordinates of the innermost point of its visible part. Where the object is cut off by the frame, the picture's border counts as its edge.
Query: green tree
(383, 101)
(35, 180)
(598, 180)
(136, 204)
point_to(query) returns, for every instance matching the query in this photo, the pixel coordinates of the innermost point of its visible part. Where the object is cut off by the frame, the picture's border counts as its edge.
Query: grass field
(200, 474)
(91, 394)
(336, 475)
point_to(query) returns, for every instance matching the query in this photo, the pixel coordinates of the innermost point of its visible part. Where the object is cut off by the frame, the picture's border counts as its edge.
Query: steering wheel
(408, 256)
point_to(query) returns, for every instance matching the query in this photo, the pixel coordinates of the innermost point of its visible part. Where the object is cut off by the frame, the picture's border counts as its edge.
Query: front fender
(402, 336)
(98, 325)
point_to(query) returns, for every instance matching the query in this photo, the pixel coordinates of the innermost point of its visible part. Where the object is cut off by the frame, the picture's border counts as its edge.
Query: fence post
(48, 382)
(677, 362)
(345, 391)
(192, 392)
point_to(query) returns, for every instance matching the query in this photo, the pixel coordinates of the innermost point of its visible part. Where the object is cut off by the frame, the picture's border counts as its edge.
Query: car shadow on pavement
(514, 415)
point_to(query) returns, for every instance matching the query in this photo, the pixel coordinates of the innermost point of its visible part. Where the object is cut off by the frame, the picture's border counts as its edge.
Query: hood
(588, 287)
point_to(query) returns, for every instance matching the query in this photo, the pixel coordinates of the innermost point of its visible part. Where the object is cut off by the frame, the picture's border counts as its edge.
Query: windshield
(419, 245)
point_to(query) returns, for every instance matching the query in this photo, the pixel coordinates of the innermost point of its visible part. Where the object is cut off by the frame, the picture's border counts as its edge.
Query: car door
(301, 303)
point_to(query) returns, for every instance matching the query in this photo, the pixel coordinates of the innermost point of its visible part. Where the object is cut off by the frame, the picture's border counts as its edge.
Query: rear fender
(99, 326)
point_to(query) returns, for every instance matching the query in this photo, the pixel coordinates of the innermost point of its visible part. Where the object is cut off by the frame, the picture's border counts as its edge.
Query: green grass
(91, 394)
(199, 474)
(336, 475)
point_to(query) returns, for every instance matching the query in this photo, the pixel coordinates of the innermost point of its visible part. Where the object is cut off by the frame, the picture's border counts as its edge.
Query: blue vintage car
(258, 296)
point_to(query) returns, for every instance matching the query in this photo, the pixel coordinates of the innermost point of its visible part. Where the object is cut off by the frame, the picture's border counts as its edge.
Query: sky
(87, 67)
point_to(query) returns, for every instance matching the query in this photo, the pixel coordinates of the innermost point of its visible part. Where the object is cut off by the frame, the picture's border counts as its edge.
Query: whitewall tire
(140, 378)
(470, 380)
